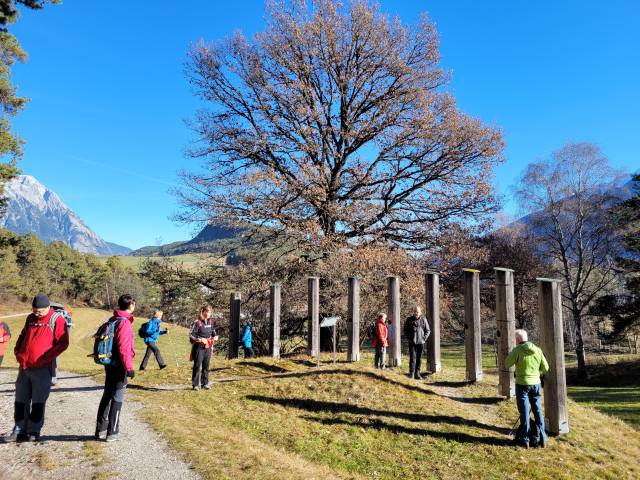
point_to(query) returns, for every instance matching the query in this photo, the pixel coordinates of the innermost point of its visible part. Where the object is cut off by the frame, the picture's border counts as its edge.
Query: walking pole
(175, 354)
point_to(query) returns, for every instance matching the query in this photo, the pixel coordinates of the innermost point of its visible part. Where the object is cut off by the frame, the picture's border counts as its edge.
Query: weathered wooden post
(432, 311)
(472, 332)
(353, 320)
(393, 314)
(313, 335)
(234, 324)
(556, 413)
(506, 326)
(274, 314)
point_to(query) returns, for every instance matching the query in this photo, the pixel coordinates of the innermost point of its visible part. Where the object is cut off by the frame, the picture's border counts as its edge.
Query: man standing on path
(5, 336)
(530, 364)
(118, 372)
(42, 339)
(416, 330)
(151, 340)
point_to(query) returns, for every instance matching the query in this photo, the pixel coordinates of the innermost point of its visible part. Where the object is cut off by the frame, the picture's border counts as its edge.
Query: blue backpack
(103, 344)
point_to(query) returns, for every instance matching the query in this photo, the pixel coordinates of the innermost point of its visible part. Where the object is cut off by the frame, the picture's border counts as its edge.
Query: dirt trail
(69, 451)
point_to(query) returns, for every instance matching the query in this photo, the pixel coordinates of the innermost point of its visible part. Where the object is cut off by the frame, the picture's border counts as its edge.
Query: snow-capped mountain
(33, 208)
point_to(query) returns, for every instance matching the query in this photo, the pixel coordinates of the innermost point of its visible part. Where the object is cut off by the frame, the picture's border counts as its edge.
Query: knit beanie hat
(40, 301)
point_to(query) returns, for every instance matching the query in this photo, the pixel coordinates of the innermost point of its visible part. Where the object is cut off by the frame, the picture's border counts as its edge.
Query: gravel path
(69, 451)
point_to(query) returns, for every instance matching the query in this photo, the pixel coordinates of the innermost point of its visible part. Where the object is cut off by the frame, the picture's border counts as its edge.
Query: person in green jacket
(530, 364)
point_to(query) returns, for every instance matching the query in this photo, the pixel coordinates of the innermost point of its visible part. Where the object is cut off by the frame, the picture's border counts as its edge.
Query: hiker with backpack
(416, 331)
(5, 336)
(530, 364)
(380, 340)
(246, 340)
(42, 339)
(202, 336)
(114, 348)
(150, 331)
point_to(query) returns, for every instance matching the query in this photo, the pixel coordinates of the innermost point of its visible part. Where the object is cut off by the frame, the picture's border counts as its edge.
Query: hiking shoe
(206, 387)
(15, 436)
(543, 441)
(112, 438)
(100, 435)
(54, 381)
(417, 376)
(142, 369)
(162, 366)
(195, 387)
(34, 437)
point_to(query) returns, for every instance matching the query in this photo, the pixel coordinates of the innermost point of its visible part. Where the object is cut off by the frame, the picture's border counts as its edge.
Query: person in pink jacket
(118, 373)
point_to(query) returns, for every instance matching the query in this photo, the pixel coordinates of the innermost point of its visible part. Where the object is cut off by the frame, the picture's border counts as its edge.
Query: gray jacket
(416, 329)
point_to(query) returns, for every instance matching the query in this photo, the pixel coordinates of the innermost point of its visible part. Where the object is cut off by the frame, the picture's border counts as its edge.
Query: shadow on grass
(315, 406)
(264, 366)
(166, 388)
(478, 400)
(451, 383)
(64, 389)
(451, 436)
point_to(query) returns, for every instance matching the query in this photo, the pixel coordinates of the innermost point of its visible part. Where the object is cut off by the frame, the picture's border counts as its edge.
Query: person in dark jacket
(42, 339)
(118, 373)
(416, 330)
(202, 336)
(151, 340)
(5, 336)
(247, 340)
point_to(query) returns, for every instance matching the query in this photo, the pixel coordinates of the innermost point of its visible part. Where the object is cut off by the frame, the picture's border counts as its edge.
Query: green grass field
(287, 419)
(188, 260)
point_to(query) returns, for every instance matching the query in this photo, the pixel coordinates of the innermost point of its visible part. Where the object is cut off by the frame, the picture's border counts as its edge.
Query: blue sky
(105, 126)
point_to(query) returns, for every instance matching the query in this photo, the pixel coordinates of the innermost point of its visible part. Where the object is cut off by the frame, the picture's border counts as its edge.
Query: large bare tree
(571, 195)
(332, 127)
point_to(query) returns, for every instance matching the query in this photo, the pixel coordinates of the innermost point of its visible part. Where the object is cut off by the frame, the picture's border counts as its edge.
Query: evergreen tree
(10, 102)
(624, 310)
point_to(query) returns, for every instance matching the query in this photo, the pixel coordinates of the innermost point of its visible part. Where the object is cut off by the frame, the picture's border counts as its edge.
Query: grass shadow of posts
(377, 424)
(264, 366)
(338, 408)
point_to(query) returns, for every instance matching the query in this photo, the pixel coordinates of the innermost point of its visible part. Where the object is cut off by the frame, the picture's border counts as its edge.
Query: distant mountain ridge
(33, 208)
(211, 239)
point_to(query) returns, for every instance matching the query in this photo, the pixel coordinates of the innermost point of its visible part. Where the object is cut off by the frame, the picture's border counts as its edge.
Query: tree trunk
(582, 363)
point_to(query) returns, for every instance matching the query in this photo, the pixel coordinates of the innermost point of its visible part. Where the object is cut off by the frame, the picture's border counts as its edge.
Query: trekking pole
(175, 353)
(515, 427)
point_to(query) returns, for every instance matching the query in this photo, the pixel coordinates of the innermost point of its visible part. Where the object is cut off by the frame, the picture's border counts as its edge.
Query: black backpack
(371, 330)
(142, 331)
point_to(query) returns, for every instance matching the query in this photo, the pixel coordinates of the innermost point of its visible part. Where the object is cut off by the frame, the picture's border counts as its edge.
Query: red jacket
(5, 336)
(37, 345)
(380, 337)
(124, 339)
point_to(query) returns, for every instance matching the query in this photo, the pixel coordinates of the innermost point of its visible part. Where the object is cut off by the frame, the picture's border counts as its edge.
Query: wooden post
(274, 313)
(313, 334)
(393, 314)
(334, 341)
(556, 413)
(472, 333)
(353, 320)
(506, 326)
(234, 324)
(432, 311)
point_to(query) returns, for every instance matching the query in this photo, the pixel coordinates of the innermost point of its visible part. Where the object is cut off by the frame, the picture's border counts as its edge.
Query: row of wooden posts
(549, 316)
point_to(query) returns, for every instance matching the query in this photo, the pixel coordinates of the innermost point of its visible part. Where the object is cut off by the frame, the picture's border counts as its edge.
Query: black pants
(415, 358)
(201, 358)
(152, 347)
(248, 352)
(115, 383)
(1, 358)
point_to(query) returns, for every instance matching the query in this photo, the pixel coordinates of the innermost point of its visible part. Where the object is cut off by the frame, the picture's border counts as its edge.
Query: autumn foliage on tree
(331, 128)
